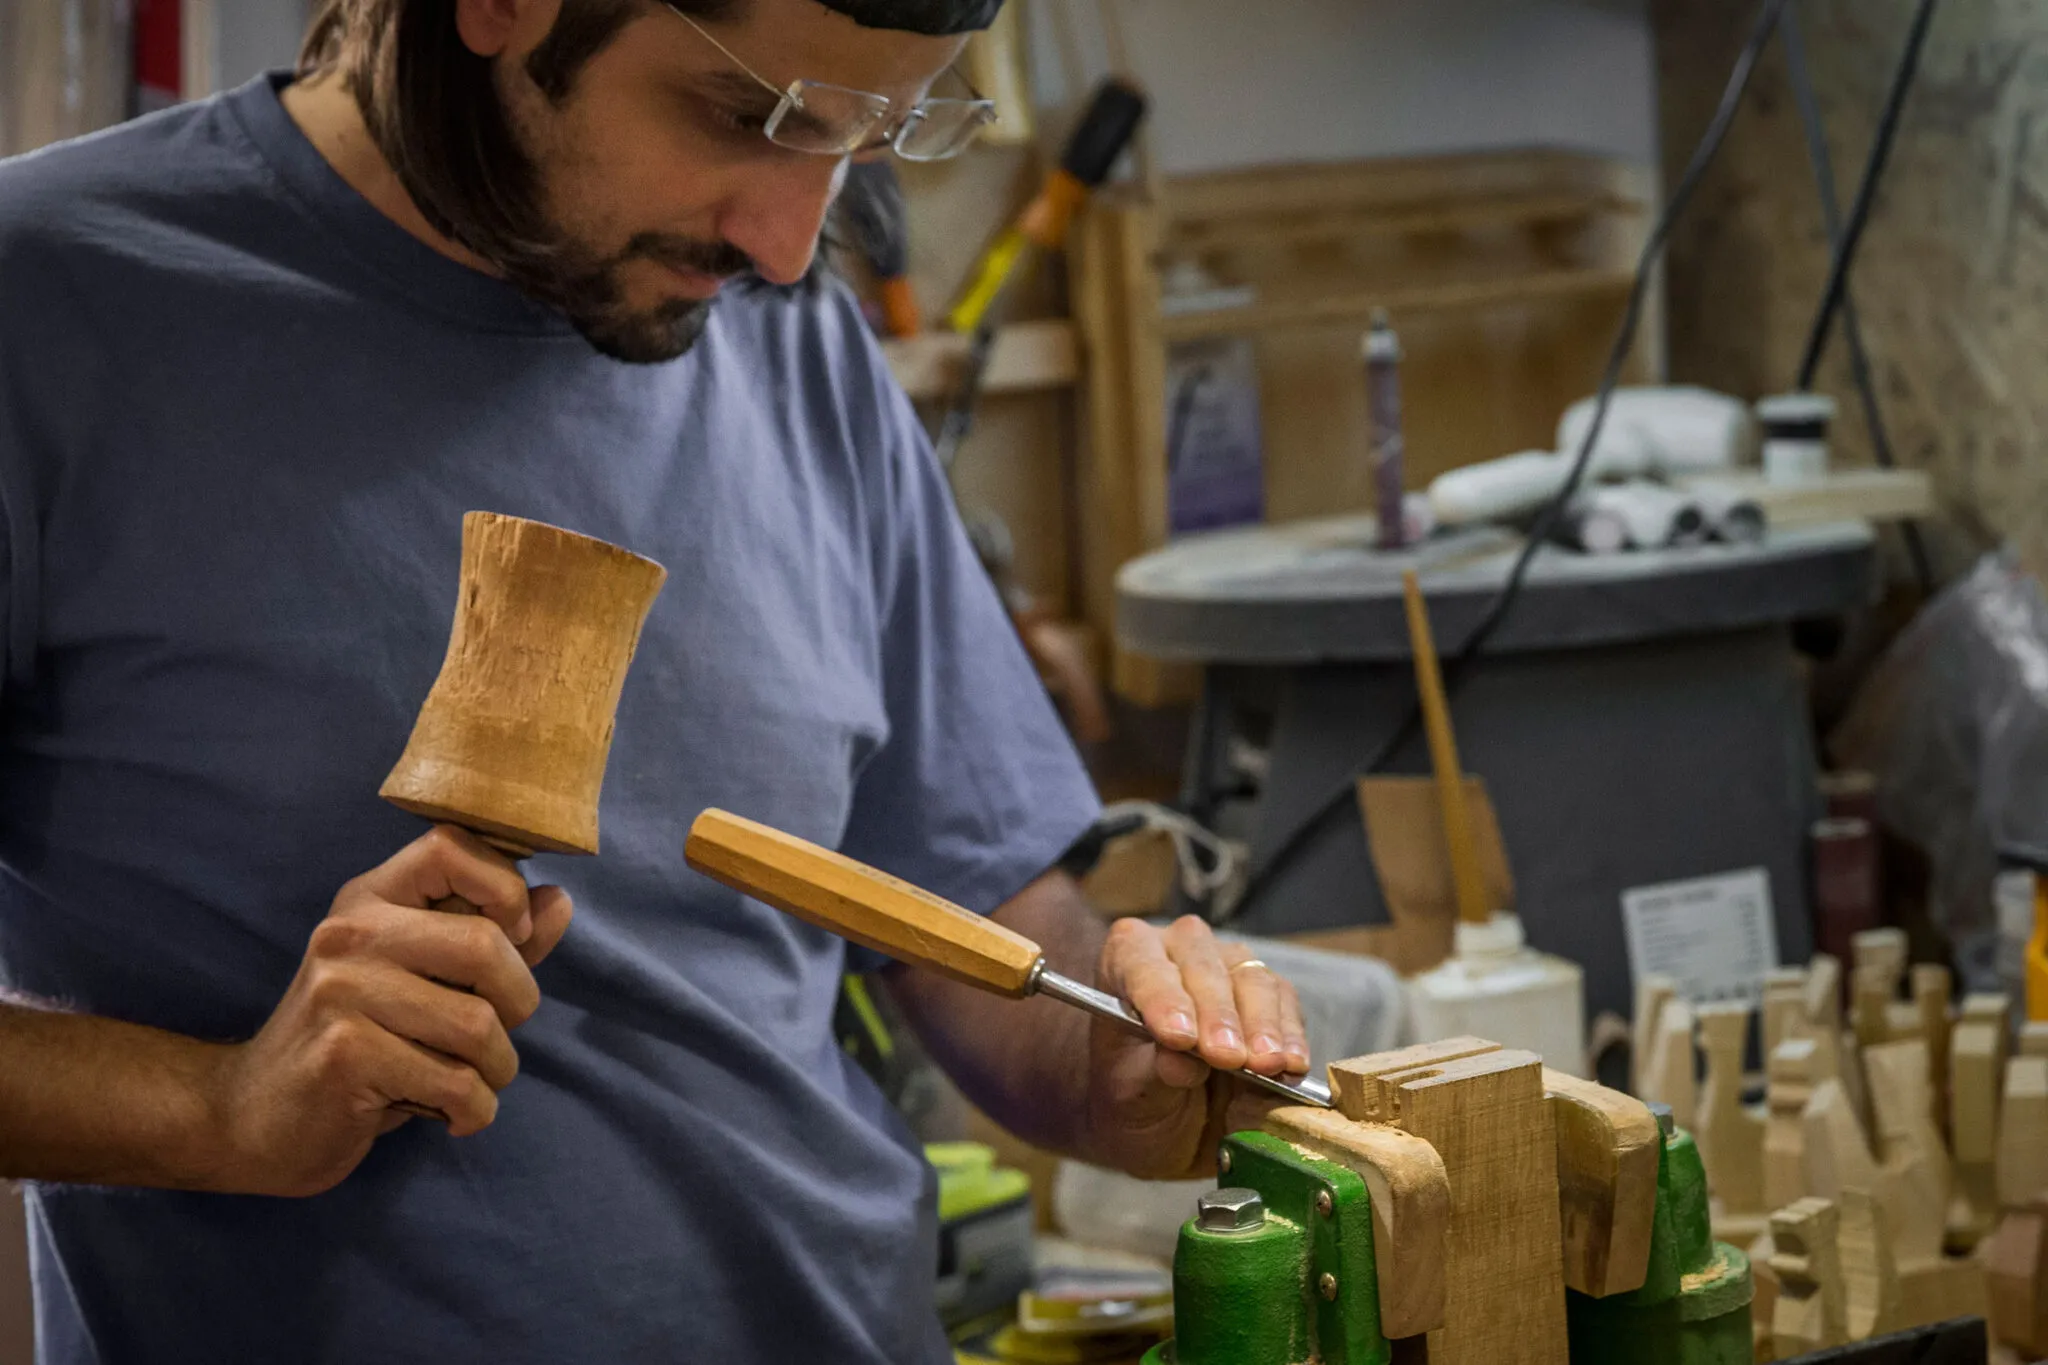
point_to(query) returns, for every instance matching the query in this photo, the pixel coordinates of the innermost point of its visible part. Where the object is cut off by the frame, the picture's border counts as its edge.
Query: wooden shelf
(1028, 356)
(1841, 495)
(1357, 306)
(1506, 211)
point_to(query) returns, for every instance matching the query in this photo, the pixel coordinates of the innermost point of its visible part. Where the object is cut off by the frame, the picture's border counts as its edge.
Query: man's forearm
(85, 1100)
(1022, 1062)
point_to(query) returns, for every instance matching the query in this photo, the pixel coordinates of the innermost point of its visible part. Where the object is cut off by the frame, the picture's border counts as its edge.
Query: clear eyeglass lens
(938, 129)
(827, 120)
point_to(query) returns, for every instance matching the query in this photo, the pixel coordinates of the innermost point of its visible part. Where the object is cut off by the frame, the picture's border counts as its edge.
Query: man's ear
(490, 28)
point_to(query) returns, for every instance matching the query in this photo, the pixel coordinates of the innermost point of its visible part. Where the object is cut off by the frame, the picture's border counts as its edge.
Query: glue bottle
(1494, 985)
(1383, 398)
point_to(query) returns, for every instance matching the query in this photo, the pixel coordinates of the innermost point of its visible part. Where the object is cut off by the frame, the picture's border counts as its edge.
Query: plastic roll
(1731, 518)
(1497, 490)
(1661, 430)
(1655, 515)
(1593, 529)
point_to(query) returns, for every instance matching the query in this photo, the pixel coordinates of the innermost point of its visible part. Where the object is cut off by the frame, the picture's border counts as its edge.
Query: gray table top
(1318, 591)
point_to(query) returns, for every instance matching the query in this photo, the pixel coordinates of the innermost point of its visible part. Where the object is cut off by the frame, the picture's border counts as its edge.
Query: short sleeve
(53, 392)
(14, 655)
(17, 541)
(977, 789)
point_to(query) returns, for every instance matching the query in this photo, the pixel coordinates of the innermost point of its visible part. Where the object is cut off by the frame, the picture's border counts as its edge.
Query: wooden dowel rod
(1466, 880)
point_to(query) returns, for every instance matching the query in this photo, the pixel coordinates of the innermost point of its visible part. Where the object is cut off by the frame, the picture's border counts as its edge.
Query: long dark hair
(434, 111)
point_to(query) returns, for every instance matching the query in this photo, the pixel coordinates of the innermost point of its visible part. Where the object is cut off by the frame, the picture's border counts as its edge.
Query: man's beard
(588, 291)
(551, 266)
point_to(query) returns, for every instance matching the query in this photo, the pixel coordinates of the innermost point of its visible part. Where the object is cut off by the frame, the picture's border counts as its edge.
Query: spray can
(1383, 398)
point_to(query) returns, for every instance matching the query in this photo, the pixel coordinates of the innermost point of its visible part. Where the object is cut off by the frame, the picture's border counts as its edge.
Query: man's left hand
(1158, 1109)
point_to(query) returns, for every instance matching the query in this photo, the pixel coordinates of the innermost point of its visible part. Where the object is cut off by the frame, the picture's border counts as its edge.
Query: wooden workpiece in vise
(1518, 1215)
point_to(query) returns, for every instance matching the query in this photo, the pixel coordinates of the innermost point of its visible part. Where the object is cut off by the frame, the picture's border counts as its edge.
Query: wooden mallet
(512, 741)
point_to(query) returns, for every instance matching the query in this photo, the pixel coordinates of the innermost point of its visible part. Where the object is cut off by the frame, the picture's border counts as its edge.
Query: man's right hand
(393, 1003)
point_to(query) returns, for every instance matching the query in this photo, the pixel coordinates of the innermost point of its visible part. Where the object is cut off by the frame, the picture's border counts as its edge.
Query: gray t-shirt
(241, 416)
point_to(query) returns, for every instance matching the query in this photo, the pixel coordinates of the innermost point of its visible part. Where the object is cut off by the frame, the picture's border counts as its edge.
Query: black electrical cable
(1290, 847)
(1860, 368)
(1866, 193)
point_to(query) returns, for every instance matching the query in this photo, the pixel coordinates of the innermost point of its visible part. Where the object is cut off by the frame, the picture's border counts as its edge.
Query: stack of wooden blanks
(2015, 1254)
(1906, 1118)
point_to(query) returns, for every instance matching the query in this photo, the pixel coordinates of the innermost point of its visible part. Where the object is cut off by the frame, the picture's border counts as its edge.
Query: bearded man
(258, 355)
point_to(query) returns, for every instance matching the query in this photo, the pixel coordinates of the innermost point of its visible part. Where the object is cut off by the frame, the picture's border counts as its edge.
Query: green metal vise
(1279, 1267)
(1693, 1308)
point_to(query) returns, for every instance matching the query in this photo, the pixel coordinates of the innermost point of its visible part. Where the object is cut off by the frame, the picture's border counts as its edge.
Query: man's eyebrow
(744, 90)
(733, 85)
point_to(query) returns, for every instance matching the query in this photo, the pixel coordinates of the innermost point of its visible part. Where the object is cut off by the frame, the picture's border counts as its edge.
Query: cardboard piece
(1404, 833)
(1135, 875)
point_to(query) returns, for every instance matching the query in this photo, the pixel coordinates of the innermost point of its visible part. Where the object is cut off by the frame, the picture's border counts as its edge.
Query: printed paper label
(1715, 936)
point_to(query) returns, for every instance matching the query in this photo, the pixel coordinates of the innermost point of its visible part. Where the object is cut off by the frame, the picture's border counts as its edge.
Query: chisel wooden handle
(863, 905)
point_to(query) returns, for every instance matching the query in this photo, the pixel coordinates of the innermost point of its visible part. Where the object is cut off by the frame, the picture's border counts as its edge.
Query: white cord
(1227, 858)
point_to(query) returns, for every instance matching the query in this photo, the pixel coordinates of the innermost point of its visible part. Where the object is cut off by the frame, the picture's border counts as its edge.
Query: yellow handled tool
(906, 922)
(1103, 133)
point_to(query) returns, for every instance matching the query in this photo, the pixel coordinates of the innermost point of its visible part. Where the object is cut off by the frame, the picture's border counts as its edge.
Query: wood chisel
(908, 923)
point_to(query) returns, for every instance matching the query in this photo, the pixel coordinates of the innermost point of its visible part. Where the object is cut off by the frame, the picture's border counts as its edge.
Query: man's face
(657, 182)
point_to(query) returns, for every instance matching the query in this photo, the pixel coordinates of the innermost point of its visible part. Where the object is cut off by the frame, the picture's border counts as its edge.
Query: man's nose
(777, 218)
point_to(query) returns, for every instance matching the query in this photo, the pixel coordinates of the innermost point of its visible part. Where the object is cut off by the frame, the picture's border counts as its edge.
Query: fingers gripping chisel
(908, 923)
